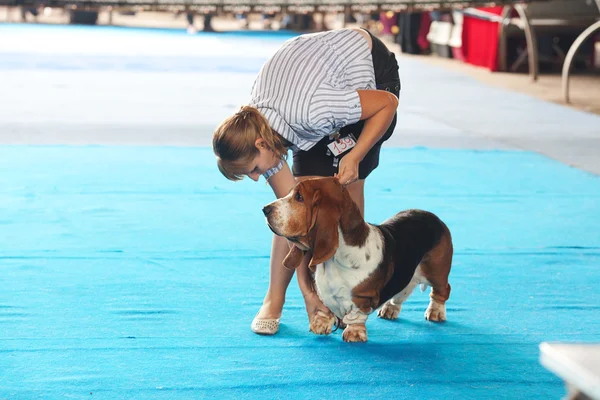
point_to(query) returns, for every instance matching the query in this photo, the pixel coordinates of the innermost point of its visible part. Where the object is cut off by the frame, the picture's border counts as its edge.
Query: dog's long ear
(323, 235)
(294, 258)
(352, 223)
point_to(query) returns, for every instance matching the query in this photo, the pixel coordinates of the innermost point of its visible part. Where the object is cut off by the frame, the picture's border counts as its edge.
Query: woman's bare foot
(320, 319)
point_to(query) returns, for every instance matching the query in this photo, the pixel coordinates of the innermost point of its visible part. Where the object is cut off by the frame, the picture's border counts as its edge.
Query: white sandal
(265, 326)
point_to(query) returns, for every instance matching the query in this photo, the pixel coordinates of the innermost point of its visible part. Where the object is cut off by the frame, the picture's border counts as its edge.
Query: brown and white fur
(360, 267)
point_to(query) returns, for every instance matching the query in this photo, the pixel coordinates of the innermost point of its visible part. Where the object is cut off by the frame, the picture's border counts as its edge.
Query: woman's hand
(348, 169)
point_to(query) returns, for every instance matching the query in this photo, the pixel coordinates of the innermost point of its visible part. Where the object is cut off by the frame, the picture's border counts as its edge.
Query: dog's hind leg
(391, 309)
(436, 311)
(435, 268)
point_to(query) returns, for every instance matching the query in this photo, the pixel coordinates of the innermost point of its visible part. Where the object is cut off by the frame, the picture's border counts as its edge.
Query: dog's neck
(353, 233)
(366, 257)
(345, 255)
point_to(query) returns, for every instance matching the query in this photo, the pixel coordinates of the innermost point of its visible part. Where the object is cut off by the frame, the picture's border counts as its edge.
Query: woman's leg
(280, 277)
(279, 280)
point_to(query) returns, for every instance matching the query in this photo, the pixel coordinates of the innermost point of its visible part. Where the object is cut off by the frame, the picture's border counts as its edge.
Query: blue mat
(134, 272)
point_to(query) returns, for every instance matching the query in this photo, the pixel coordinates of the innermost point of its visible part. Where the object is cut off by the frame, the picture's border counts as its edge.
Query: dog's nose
(267, 210)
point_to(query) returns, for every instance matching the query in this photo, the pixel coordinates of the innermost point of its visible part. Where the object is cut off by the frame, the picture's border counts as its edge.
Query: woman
(331, 97)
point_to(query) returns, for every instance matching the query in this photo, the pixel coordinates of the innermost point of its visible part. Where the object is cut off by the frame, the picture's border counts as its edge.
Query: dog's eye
(298, 197)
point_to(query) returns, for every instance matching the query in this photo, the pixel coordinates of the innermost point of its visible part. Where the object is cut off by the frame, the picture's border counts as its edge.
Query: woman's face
(265, 160)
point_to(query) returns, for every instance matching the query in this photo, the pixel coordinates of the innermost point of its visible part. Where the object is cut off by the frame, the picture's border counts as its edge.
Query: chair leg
(571, 55)
(530, 37)
(502, 39)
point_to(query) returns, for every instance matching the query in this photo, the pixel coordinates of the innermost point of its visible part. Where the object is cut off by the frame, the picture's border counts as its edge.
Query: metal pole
(502, 37)
(571, 55)
(532, 50)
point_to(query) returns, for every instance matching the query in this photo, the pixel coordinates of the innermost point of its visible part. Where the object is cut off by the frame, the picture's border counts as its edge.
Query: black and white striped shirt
(307, 90)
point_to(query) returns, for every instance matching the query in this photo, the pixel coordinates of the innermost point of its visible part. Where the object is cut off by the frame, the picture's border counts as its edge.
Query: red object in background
(423, 31)
(480, 40)
(457, 54)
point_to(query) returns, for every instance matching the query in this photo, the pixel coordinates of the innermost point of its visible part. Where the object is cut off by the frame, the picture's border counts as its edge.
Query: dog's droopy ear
(325, 245)
(324, 236)
(294, 258)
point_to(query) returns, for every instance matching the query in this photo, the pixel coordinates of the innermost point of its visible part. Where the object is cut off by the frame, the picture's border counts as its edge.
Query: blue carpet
(132, 272)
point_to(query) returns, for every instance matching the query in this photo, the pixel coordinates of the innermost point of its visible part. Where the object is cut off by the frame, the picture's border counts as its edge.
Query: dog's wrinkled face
(291, 216)
(308, 217)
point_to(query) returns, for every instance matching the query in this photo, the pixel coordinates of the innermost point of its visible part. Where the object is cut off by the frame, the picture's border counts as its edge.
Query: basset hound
(360, 267)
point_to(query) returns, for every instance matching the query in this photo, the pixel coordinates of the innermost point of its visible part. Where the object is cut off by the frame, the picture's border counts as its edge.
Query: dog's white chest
(337, 277)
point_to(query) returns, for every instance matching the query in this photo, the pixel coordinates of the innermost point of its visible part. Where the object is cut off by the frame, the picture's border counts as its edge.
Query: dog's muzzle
(267, 210)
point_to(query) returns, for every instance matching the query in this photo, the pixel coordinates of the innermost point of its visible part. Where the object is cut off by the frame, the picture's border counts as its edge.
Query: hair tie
(243, 113)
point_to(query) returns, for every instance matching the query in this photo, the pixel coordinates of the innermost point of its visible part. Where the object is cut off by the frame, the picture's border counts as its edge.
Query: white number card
(341, 146)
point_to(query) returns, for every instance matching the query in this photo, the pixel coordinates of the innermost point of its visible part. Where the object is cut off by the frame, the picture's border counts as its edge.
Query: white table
(578, 365)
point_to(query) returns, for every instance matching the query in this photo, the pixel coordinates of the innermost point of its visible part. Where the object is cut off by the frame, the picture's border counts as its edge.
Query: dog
(359, 267)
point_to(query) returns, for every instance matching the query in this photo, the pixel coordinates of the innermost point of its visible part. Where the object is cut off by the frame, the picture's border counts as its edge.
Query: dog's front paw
(355, 333)
(436, 312)
(321, 323)
(389, 311)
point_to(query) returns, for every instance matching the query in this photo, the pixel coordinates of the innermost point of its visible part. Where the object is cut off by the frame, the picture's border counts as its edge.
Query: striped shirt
(307, 90)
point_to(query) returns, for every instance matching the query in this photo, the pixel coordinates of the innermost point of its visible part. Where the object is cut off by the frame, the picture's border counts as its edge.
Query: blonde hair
(234, 141)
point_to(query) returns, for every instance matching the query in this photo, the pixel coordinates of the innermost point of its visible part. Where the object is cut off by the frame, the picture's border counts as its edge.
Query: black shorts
(319, 161)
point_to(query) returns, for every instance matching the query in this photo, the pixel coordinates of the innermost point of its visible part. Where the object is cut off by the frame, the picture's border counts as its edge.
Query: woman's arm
(378, 109)
(282, 182)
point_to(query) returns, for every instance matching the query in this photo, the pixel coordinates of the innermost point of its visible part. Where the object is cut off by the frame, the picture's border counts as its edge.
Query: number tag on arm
(343, 145)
